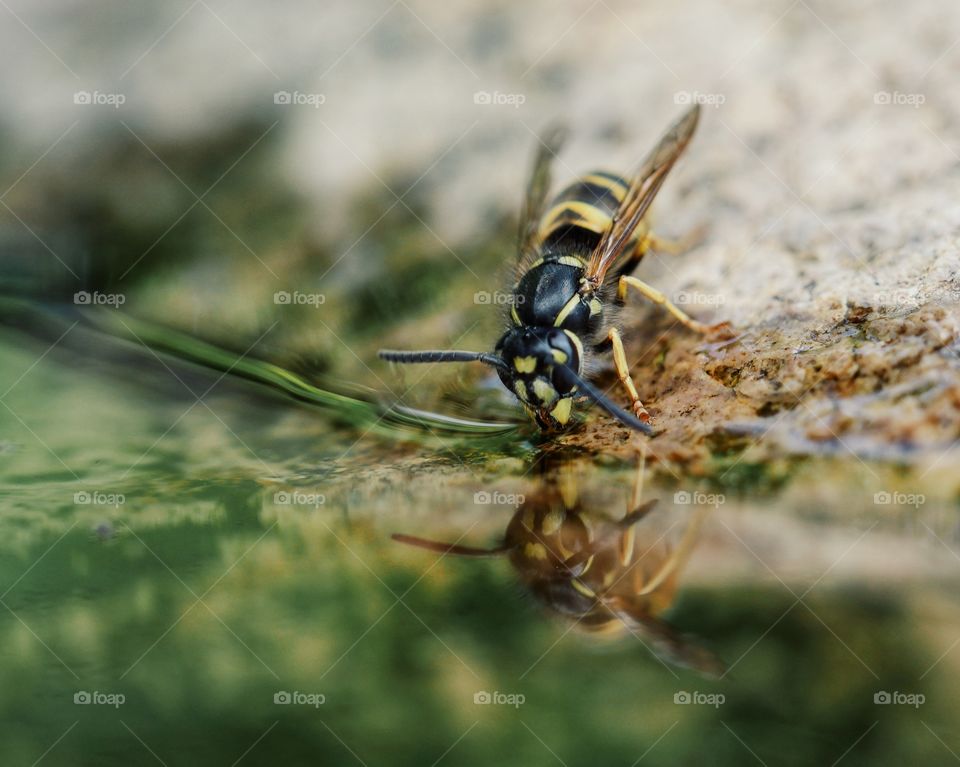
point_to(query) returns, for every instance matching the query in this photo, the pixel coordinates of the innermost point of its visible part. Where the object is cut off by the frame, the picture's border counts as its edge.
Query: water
(189, 566)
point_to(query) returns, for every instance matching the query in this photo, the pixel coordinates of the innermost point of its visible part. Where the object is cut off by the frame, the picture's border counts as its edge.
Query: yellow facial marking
(529, 515)
(520, 388)
(525, 364)
(560, 356)
(535, 551)
(544, 392)
(562, 411)
(552, 521)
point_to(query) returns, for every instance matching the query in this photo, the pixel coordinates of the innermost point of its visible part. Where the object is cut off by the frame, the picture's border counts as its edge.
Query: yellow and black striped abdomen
(585, 206)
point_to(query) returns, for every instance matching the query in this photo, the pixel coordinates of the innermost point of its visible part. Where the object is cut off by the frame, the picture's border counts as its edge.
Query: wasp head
(542, 366)
(537, 365)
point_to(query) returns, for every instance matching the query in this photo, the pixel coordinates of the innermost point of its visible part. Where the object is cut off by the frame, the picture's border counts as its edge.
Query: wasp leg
(679, 556)
(651, 241)
(623, 373)
(677, 246)
(658, 298)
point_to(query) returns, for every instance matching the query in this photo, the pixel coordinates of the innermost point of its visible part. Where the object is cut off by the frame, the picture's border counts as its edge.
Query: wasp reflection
(608, 573)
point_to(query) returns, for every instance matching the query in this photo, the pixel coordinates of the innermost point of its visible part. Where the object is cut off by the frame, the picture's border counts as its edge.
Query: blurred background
(197, 195)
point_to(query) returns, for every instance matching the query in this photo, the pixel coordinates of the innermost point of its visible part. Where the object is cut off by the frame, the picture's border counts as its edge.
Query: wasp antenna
(447, 548)
(598, 398)
(636, 515)
(448, 355)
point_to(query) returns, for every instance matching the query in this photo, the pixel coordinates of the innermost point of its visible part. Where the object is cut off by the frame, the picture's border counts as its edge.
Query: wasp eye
(557, 337)
(562, 349)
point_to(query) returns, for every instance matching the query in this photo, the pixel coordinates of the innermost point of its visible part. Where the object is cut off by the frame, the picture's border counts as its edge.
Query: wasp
(577, 252)
(607, 576)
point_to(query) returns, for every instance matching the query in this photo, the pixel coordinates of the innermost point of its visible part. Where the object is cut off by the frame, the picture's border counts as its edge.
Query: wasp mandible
(568, 289)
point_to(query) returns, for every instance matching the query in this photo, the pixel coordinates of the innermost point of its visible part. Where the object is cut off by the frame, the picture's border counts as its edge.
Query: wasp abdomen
(582, 211)
(589, 203)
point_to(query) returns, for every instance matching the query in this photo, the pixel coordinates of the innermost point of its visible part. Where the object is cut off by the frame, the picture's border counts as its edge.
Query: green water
(192, 588)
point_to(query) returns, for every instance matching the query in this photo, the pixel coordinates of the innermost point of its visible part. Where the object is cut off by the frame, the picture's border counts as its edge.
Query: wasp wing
(538, 187)
(671, 645)
(644, 187)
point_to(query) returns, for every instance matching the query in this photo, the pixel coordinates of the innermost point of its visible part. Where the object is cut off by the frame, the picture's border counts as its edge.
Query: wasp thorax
(538, 361)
